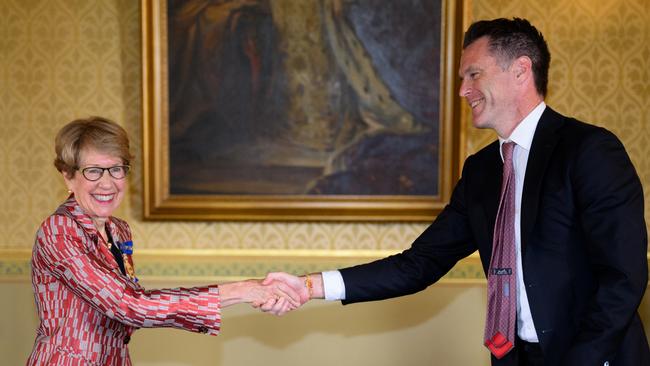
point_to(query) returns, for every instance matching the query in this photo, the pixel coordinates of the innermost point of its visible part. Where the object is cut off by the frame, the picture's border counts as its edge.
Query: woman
(87, 296)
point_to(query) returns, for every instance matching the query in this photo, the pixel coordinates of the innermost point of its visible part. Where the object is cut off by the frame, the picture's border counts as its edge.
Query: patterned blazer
(87, 308)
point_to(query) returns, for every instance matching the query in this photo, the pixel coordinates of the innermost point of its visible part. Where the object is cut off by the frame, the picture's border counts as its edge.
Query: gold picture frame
(160, 203)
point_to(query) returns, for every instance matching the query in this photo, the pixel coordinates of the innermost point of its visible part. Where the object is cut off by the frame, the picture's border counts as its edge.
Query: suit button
(203, 330)
(127, 339)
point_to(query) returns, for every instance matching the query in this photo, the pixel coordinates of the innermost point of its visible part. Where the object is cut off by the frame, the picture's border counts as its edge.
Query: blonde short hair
(96, 133)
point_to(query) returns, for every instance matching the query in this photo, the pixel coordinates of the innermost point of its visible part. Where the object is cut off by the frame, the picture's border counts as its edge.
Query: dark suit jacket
(583, 235)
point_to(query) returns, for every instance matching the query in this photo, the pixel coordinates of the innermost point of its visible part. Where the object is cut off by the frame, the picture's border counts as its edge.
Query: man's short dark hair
(510, 39)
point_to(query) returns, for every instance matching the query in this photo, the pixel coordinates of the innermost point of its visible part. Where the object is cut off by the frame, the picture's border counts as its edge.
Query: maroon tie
(502, 290)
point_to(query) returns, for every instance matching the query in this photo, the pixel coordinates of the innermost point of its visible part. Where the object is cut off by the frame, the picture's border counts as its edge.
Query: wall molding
(157, 265)
(209, 265)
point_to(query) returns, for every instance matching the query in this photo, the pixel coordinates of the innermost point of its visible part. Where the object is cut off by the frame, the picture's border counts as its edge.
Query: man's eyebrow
(468, 70)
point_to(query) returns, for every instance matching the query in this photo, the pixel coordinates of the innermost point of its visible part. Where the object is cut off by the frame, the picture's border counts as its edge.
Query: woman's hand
(274, 293)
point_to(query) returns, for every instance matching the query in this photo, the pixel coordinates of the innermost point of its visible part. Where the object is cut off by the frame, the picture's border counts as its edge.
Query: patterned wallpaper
(62, 59)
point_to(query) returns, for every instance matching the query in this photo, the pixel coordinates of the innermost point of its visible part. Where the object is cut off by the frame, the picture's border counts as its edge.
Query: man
(574, 225)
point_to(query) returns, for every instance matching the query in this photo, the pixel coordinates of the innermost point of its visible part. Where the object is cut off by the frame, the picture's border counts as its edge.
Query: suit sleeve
(61, 250)
(610, 198)
(447, 240)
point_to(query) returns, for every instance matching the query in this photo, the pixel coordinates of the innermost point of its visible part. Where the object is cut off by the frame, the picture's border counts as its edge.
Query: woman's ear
(68, 181)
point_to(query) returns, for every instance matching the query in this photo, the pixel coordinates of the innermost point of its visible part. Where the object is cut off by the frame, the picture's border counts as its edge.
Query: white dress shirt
(522, 136)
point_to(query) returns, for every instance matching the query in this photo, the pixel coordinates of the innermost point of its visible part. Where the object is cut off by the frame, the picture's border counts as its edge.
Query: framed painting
(285, 110)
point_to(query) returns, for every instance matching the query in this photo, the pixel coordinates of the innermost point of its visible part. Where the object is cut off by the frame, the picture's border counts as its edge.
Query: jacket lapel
(94, 242)
(541, 150)
(491, 187)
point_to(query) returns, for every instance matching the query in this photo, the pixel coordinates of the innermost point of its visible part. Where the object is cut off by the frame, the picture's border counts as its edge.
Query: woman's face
(100, 198)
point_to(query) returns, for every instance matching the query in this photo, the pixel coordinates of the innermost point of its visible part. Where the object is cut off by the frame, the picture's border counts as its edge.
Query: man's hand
(307, 287)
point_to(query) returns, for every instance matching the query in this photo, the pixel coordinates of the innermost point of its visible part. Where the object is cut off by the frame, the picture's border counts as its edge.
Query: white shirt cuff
(333, 285)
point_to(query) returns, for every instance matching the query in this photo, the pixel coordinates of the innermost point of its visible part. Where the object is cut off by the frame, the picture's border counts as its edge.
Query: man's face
(489, 90)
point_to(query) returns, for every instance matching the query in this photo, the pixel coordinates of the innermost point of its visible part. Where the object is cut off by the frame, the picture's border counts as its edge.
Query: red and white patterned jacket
(88, 308)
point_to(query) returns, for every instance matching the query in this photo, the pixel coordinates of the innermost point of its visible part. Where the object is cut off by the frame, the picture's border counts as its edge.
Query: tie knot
(506, 149)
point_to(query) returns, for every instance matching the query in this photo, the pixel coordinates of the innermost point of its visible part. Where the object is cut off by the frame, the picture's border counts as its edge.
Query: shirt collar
(523, 134)
(72, 209)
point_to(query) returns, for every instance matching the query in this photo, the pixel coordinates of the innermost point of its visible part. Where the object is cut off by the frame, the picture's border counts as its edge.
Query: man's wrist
(309, 284)
(332, 285)
(313, 283)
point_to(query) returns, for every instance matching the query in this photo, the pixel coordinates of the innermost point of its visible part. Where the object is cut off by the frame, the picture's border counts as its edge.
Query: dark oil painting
(304, 97)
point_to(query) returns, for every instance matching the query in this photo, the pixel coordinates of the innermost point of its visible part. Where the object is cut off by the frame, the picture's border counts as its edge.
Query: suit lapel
(541, 150)
(491, 187)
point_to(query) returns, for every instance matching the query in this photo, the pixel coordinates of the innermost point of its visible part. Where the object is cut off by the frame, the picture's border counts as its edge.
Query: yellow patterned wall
(62, 59)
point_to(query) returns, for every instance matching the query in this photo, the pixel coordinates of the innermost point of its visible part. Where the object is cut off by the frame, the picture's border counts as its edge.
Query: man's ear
(522, 68)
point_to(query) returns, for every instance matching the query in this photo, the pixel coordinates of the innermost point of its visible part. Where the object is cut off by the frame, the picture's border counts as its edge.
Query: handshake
(277, 294)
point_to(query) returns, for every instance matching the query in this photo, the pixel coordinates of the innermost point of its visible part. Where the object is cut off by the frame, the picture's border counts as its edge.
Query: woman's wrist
(232, 293)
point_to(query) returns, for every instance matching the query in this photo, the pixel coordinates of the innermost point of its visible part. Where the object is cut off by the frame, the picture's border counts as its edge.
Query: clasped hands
(302, 289)
(277, 294)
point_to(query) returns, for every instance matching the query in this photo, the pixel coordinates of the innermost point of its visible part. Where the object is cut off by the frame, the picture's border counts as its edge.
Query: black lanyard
(117, 254)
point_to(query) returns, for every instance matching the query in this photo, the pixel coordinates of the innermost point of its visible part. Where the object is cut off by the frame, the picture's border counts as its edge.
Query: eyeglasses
(94, 173)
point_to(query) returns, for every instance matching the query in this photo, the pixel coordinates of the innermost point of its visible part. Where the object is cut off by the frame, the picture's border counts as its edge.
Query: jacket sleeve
(610, 199)
(62, 248)
(447, 240)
